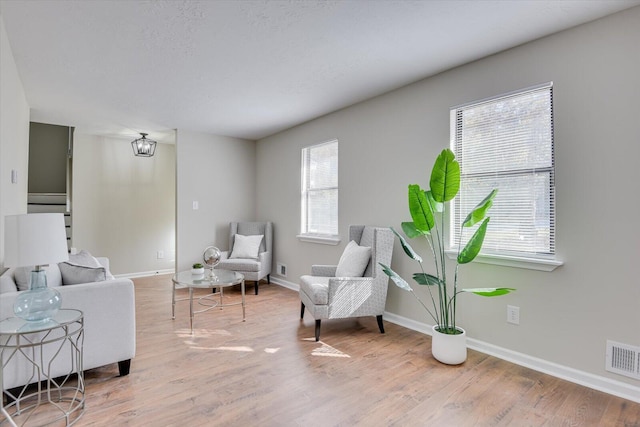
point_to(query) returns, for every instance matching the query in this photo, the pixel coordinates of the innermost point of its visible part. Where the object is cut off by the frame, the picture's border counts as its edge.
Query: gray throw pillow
(76, 274)
(82, 268)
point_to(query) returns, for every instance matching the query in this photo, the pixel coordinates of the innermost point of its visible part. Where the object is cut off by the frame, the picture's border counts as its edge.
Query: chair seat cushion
(316, 288)
(239, 264)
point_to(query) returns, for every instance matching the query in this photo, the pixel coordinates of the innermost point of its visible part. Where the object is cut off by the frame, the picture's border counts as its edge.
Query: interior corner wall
(218, 173)
(391, 141)
(14, 137)
(124, 206)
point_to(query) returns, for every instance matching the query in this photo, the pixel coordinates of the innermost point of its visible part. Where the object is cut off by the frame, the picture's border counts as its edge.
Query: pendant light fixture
(143, 147)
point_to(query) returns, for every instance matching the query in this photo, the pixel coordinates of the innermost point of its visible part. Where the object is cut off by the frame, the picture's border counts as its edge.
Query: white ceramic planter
(449, 349)
(197, 271)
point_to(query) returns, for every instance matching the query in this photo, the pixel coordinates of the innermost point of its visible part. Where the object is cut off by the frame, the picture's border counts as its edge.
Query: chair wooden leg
(257, 281)
(268, 278)
(301, 310)
(317, 330)
(380, 325)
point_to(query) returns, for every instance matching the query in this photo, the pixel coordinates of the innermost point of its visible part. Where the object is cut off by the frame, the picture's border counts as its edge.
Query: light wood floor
(268, 371)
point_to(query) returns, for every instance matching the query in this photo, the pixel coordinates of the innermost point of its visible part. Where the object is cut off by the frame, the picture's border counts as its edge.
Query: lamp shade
(34, 239)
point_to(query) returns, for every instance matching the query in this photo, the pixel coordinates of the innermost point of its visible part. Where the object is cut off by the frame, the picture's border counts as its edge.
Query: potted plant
(197, 269)
(427, 213)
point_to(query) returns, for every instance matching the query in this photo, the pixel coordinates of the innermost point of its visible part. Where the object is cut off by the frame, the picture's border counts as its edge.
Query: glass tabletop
(15, 325)
(219, 278)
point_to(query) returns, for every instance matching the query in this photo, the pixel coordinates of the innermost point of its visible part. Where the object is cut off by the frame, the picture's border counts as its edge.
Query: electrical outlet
(281, 269)
(513, 314)
(196, 205)
(160, 254)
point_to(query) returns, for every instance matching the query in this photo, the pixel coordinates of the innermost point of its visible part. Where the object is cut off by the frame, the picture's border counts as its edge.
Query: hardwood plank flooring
(269, 371)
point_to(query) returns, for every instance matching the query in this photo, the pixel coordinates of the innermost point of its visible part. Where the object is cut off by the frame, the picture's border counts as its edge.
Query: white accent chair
(252, 269)
(329, 297)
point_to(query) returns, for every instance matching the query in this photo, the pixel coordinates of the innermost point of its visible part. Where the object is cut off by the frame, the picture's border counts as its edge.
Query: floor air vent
(623, 359)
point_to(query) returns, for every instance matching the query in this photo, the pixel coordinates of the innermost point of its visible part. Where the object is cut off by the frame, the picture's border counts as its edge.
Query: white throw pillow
(246, 246)
(353, 261)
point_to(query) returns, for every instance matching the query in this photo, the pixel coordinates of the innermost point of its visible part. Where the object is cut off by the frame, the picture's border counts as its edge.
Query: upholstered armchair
(249, 254)
(356, 286)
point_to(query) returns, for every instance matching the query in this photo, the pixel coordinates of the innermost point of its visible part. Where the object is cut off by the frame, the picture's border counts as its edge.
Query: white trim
(285, 284)
(596, 382)
(513, 261)
(145, 274)
(504, 95)
(314, 238)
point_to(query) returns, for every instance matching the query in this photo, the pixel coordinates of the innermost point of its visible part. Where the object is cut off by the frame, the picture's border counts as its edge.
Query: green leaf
(489, 292)
(407, 248)
(399, 281)
(420, 209)
(411, 231)
(474, 244)
(435, 206)
(478, 213)
(426, 279)
(445, 177)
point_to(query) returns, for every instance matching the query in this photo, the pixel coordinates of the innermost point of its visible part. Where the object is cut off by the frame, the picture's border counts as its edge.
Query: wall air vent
(623, 359)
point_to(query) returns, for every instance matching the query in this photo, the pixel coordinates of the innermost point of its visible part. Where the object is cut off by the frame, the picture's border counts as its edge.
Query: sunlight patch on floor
(186, 333)
(241, 349)
(271, 350)
(325, 350)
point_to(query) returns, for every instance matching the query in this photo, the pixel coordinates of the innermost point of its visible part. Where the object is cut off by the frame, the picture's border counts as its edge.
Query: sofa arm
(109, 319)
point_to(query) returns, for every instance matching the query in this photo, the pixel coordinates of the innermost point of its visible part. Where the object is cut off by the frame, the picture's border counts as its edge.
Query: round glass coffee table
(211, 279)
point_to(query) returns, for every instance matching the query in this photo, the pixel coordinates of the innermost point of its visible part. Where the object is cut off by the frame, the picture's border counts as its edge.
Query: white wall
(14, 137)
(219, 173)
(123, 206)
(392, 140)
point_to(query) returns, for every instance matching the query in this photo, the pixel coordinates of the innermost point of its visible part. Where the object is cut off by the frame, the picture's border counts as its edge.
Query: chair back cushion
(368, 239)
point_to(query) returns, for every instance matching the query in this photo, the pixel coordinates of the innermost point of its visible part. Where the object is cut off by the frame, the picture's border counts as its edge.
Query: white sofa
(109, 322)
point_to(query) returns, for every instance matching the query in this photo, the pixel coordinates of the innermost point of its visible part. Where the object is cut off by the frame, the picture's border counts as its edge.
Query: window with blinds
(319, 212)
(507, 143)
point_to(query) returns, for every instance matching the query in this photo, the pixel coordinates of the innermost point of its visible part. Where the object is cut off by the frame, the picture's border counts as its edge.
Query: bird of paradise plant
(427, 213)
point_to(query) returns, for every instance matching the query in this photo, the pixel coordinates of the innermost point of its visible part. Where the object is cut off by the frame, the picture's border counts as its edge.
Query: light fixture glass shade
(143, 147)
(36, 240)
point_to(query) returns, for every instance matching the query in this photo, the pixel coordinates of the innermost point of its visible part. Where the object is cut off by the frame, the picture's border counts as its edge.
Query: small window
(319, 205)
(507, 143)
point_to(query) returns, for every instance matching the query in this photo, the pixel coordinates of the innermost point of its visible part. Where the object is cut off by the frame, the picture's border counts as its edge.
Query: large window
(319, 207)
(507, 143)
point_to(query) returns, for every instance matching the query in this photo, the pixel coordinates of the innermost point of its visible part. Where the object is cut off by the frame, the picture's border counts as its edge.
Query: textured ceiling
(251, 68)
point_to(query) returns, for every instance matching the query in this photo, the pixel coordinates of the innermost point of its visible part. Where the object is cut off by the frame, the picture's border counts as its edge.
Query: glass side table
(49, 354)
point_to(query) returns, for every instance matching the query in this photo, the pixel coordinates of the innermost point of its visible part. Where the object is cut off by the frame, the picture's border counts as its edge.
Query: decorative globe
(211, 256)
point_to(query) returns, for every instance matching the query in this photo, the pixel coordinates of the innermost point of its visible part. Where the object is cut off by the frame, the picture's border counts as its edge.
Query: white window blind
(507, 143)
(319, 213)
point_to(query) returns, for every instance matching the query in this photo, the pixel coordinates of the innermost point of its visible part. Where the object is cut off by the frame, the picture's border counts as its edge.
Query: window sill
(324, 240)
(514, 261)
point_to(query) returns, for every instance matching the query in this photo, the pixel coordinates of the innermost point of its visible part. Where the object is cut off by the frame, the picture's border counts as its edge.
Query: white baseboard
(145, 273)
(596, 382)
(285, 284)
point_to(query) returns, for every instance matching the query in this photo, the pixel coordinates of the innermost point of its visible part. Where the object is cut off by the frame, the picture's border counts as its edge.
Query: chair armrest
(265, 259)
(323, 270)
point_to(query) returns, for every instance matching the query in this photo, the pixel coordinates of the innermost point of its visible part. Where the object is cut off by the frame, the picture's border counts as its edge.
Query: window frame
(509, 257)
(306, 190)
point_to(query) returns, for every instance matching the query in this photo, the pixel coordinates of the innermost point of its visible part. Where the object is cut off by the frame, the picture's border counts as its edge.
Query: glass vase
(40, 303)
